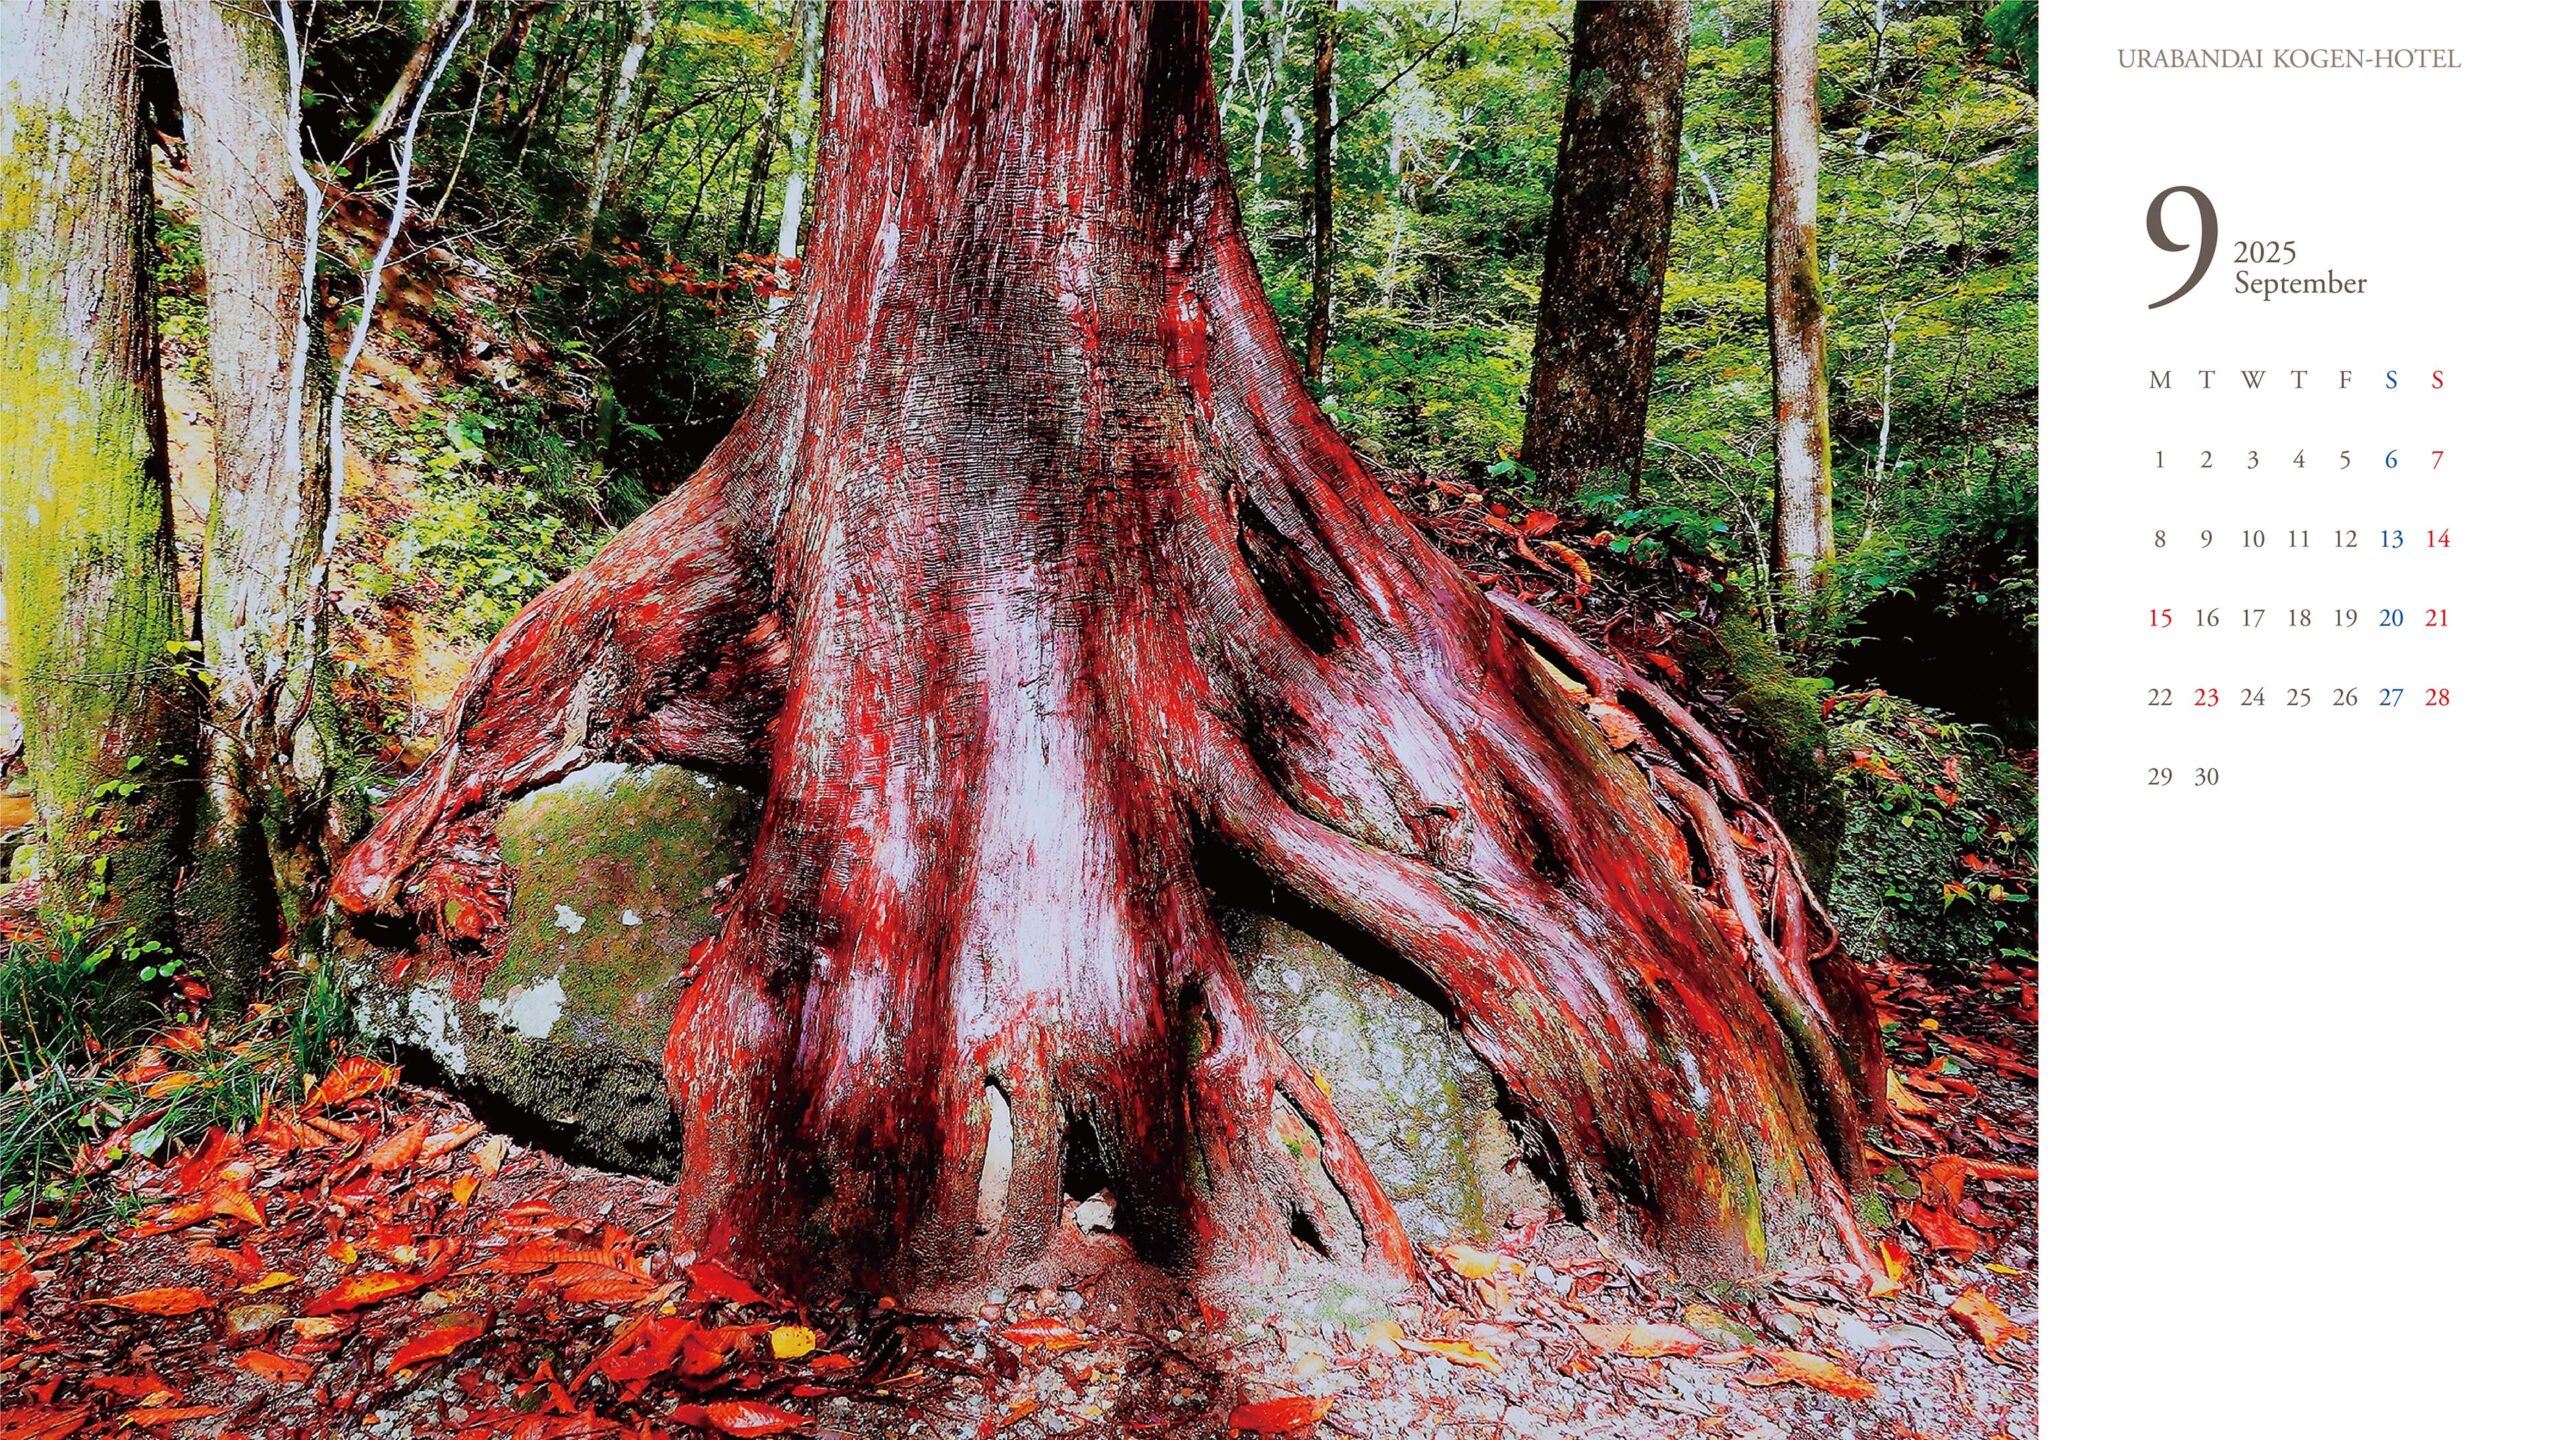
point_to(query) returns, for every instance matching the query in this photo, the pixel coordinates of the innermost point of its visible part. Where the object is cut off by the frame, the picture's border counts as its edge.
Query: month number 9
(2208, 233)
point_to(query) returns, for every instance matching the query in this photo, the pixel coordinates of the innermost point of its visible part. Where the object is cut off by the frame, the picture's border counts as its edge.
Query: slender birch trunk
(615, 122)
(1320, 195)
(795, 186)
(91, 568)
(1802, 535)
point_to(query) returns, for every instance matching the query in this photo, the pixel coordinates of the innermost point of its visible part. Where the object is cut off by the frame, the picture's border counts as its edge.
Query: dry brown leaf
(1644, 1342)
(1983, 1316)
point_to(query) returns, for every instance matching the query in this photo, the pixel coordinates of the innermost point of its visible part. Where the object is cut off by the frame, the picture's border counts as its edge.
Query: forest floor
(373, 1262)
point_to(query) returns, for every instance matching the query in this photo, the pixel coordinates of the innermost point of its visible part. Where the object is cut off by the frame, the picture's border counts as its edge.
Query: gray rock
(1421, 1106)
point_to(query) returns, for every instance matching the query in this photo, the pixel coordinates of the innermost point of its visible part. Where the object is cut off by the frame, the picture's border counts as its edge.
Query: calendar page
(2295, 511)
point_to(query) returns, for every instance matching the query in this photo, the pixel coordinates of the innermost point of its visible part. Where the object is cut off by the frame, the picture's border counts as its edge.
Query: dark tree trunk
(1800, 540)
(1320, 195)
(1608, 247)
(91, 568)
(1043, 597)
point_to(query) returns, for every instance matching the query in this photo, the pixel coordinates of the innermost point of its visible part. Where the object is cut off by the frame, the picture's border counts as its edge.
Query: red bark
(1052, 599)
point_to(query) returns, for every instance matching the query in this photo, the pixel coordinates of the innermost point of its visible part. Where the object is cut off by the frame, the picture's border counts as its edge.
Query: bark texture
(1053, 615)
(1800, 541)
(259, 847)
(1608, 247)
(1320, 193)
(92, 585)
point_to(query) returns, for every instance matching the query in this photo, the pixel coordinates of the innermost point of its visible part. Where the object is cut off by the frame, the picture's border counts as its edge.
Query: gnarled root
(665, 647)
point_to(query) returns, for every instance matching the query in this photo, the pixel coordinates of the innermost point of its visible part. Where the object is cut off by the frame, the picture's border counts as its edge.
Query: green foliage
(177, 290)
(509, 503)
(1443, 164)
(64, 1020)
(1938, 859)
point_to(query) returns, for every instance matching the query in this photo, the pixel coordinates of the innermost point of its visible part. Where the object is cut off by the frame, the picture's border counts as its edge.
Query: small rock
(244, 1321)
(1857, 1334)
(1907, 1336)
(1094, 1214)
(568, 919)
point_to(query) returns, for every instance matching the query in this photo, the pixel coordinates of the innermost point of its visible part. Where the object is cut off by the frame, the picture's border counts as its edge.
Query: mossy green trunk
(92, 588)
(260, 832)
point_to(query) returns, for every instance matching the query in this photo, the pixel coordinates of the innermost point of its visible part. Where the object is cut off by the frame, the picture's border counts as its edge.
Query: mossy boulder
(617, 871)
(1423, 1108)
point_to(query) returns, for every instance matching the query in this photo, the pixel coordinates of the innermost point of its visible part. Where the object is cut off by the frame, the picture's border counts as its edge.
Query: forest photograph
(1018, 718)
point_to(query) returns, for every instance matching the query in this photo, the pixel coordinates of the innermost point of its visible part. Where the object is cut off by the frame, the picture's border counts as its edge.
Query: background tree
(614, 121)
(85, 523)
(1608, 247)
(1057, 615)
(1328, 20)
(260, 858)
(1801, 537)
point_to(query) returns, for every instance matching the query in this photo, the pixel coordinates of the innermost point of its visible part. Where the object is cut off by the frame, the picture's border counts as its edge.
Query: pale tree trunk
(1801, 539)
(92, 584)
(1320, 195)
(795, 186)
(1608, 248)
(615, 121)
(769, 124)
(259, 846)
(396, 102)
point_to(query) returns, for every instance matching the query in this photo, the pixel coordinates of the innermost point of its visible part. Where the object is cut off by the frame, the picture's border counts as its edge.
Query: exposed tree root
(1040, 591)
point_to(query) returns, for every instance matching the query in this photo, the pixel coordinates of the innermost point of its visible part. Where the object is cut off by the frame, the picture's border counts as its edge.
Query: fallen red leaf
(267, 1365)
(608, 1291)
(356, 1077)
(398, 1151)
(1273, 1417)
(1794, 1367)
(170, 1300)
(240, 1205)
(437, 1343)
(362, 1290)
(1645, 1342)
(654, 1347)
(738, 1417)
(134, 1387)
(155, 1416)
(1983, 1316)
(1043, 1333)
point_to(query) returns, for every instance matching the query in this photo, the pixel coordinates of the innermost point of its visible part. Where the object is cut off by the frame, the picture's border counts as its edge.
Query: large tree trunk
(1801, 538)
(1053, 611)
(259, 850)
(1608, 247)
(92, 583)
(1320, 193)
